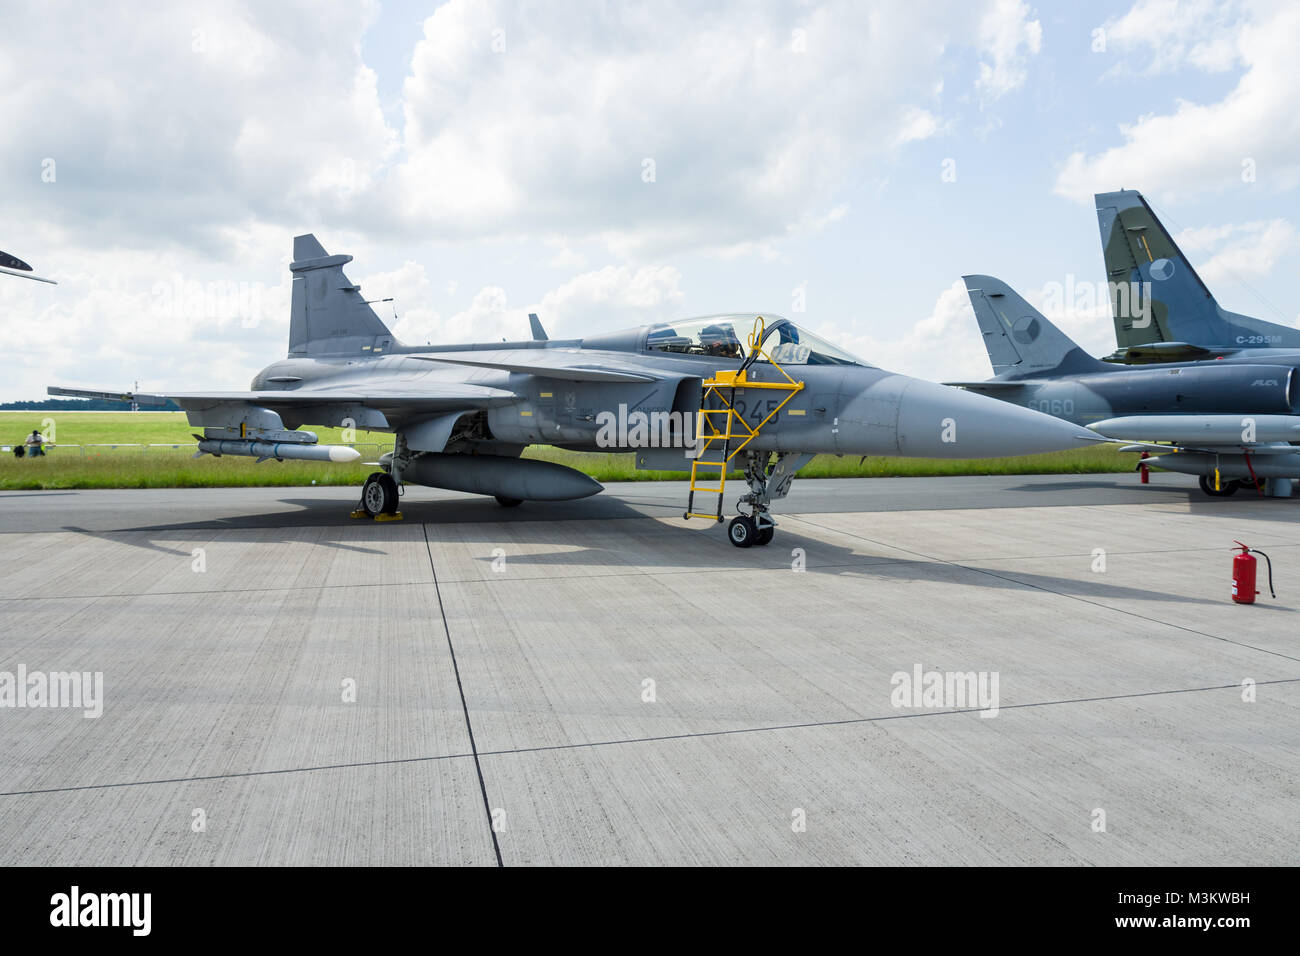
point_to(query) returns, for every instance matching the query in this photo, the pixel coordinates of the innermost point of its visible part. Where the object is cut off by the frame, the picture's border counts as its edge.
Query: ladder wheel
(741, 532)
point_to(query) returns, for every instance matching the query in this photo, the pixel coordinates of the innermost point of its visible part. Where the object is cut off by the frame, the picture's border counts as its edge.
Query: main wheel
(764, 535)
(741, 531)
(1246, 484)
(1225, 487)
(379, 495)
(505, 502)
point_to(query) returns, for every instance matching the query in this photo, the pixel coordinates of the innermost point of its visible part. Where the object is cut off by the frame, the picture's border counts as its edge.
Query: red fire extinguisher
(1243, 575)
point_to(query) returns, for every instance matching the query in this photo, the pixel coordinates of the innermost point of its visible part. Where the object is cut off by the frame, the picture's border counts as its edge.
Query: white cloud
(917, 124)
(1166, 35)
(603, 300)
(614, 297)
(943, 346)
(173, 320)
(411, 292)
(946, 345)
(179, 121)
(1249, 135)
(1008, 38)
(1237, 252)
(682, 127)
(567, 258)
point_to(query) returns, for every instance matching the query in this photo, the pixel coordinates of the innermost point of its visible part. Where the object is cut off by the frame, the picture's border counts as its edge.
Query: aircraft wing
(565, 364)
(437, 397)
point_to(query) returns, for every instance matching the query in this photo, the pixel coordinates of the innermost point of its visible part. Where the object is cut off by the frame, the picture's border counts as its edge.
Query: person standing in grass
(35, 444)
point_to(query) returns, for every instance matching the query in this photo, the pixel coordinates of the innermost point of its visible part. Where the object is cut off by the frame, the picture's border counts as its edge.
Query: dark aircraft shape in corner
(13, 266)
(688, 395)
(1162, 309)
(1228, 421)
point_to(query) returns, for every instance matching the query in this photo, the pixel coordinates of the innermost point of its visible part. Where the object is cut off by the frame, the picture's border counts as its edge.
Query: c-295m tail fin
(1156, 295)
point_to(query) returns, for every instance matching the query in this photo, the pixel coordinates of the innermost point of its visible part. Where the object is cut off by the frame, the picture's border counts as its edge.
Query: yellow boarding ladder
(713, 449)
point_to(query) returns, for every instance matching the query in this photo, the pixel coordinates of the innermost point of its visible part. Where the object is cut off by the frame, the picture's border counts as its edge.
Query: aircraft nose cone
(938, 421)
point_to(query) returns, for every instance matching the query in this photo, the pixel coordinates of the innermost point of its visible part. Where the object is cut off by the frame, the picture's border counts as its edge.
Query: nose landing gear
(767, 483)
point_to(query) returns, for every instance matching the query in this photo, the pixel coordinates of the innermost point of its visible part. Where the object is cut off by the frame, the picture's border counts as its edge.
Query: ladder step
(716, 491)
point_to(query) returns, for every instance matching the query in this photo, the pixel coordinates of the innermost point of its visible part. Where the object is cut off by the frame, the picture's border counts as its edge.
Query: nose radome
(938, 421)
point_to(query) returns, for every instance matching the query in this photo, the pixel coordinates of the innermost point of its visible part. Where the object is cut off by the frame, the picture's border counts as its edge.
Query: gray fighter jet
(710, 396)
(1229, 421)
(1163, 311)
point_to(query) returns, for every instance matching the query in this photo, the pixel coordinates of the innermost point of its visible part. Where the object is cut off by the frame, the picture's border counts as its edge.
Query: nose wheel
(746, 532)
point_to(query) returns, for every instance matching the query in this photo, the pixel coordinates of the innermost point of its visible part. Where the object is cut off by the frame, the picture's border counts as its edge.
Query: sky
(612, 164)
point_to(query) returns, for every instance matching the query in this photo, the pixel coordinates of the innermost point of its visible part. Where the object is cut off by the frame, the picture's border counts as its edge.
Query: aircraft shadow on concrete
(1197, 500)
(702, 550)
(694, 546)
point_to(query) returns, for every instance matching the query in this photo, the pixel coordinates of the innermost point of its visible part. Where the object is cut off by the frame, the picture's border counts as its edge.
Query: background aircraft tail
(1156, 295)
(1019, 339)
(328, 316)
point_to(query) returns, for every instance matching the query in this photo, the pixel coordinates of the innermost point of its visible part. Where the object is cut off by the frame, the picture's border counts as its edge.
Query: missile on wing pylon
(1202, 429)
(262, 450)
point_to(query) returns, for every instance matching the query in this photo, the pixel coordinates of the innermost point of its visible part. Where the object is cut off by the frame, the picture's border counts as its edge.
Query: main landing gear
(379, 497)
(1230, 486)
(383, 489)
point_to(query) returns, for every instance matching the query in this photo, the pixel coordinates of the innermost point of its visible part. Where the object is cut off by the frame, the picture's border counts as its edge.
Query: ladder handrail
(713, 388)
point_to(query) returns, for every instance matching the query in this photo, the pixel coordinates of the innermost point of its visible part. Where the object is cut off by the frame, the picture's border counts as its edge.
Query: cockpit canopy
(727, 336)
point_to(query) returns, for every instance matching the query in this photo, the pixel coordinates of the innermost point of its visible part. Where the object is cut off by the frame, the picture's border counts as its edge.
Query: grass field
(83, 458)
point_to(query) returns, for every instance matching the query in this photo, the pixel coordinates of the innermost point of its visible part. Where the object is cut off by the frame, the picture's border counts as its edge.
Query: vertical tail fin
(1156, 295)
(1143, 261)
(1019, 339)
(328, 316)
(535, 324)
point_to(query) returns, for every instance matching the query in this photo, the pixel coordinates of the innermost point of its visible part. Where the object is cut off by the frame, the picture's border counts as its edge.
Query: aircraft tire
(379, 494)
(741, 532)
(764, 535)
(1226, 488)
